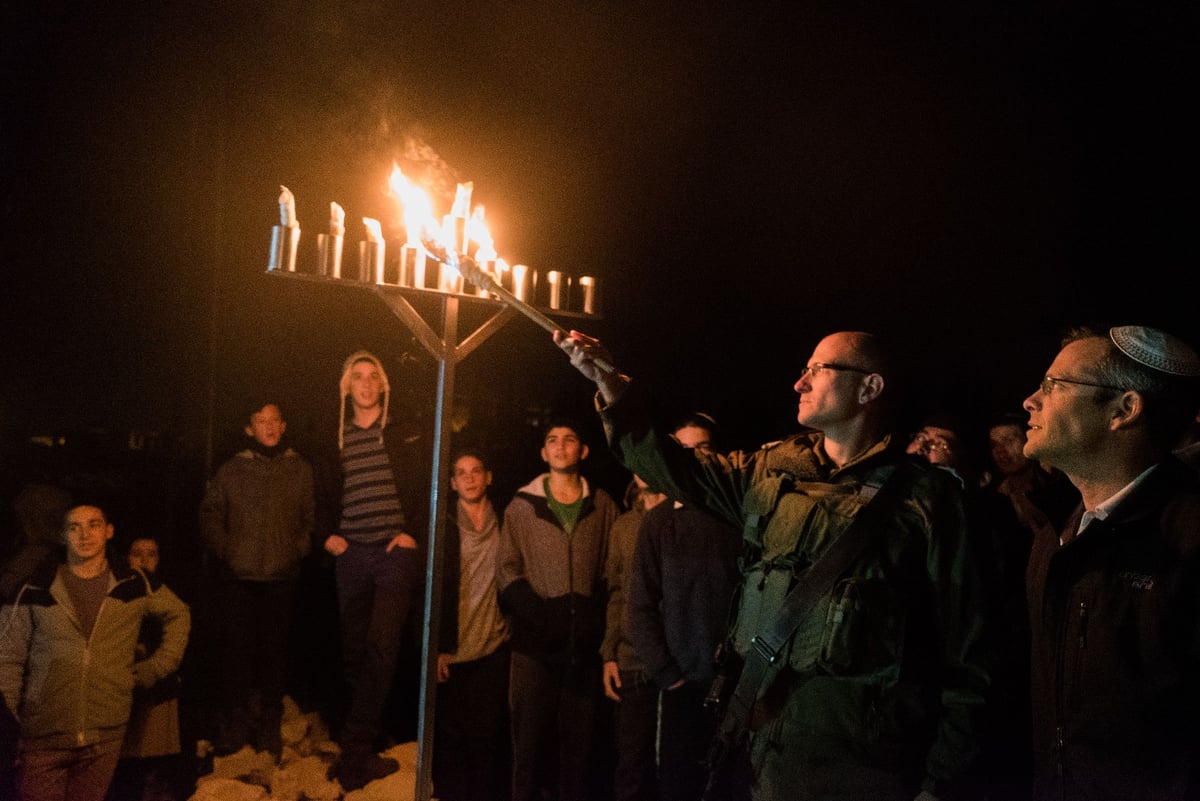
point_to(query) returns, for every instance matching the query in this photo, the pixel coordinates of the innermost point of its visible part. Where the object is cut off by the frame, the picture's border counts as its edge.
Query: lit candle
(371, 252)
(503, 274)
(412, 265)
(330, 245)
(587, 294)
(454, 224)
(556, 284)
(520, 282)
(485, 257)
(285, 237)
(287, 208)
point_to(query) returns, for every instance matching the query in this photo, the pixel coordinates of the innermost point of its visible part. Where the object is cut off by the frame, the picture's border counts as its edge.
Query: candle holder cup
(284, 242)
(329, 255)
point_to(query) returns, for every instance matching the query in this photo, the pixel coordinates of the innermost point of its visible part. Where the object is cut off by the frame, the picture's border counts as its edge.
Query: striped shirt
(370, 503)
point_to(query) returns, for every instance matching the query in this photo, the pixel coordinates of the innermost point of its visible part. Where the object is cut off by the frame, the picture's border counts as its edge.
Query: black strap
(761, 663)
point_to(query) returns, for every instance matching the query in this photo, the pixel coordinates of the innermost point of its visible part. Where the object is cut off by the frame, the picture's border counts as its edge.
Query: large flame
(419, 222)
(477, 232)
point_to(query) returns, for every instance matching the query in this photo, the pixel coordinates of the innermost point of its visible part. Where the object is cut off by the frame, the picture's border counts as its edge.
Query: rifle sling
(761, 663)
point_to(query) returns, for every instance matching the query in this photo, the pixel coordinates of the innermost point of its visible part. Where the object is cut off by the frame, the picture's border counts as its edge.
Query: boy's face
(267, 426)
(366, 385)
(471, 479)
(563, 450)
(694, 437)
(86, 532)
(143, 554)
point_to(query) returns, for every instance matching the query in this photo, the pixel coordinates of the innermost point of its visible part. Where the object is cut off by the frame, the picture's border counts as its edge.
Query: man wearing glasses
(875, 693)
(1114, 598)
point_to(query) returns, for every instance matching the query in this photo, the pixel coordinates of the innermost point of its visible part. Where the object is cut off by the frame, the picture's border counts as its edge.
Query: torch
(472, 272)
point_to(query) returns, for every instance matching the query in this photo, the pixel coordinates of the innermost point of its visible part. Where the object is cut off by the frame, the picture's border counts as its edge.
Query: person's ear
(583, 453)
(249, 431)
(870, 388)
(1128, 409)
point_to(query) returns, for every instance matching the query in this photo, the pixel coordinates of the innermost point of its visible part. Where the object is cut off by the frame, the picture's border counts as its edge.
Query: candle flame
(462, 200)
(419, 222)
(374, 230)
(477, 232)
(337, 219)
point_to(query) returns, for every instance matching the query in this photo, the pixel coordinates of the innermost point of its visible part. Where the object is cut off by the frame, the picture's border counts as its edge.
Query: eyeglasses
(927, 443)
(1050, 382)
(813, 370)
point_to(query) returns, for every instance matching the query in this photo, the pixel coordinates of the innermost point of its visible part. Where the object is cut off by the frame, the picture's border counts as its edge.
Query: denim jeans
(375, 590)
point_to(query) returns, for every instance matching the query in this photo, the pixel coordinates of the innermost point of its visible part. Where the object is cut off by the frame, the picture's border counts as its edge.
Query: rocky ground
(303, 772)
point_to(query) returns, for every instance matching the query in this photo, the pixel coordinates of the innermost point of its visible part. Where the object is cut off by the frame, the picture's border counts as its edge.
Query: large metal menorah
(448, 350)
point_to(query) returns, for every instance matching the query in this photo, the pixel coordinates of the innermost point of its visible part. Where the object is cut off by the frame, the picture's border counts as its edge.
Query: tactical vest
(788, 525)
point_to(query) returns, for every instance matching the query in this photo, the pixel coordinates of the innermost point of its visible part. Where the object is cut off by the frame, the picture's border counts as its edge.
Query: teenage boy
(371, 503)
(553, 547)
(68, 645)
(257, 519)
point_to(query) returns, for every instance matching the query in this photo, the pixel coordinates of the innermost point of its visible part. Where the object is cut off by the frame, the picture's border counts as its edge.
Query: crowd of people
(1004, 612)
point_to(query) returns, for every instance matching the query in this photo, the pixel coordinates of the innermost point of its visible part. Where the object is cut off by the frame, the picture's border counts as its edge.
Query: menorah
(457, 281)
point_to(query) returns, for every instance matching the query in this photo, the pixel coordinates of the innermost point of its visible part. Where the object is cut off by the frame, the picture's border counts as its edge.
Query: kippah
(1156, 349)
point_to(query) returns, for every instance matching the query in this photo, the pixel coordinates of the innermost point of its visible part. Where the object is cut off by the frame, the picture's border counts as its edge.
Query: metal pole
(437, 529)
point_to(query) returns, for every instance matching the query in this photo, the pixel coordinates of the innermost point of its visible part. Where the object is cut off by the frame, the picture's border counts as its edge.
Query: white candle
(520, 282)
(412, 266)
(555, 286)
(372, 252)
(587, 294)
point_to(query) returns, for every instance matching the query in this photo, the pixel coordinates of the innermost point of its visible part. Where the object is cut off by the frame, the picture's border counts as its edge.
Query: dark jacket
(684, 573)
(410, 457)
(885, 675)
(1115, 616)
(552, 583)
(257, 515)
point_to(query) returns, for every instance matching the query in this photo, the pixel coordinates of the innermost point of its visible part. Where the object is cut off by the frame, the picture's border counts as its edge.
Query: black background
(967, 178)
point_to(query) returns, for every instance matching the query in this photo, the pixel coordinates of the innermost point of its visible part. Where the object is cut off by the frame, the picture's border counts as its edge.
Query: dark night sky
(969, 178)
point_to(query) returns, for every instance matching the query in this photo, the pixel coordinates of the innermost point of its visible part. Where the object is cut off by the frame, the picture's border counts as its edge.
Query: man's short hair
(563, 421)
(257, 403)
(474, 453)
(78, 503)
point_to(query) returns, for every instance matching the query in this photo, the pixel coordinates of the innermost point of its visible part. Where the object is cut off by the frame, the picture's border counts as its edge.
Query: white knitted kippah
(1156, 349)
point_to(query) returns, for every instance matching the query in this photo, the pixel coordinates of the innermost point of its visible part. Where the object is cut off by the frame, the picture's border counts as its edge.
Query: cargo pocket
(862, 635)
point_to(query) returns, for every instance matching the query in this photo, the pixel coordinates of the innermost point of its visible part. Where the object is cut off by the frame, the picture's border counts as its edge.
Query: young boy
(67, 661)
(553, 548)
(257, 519)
